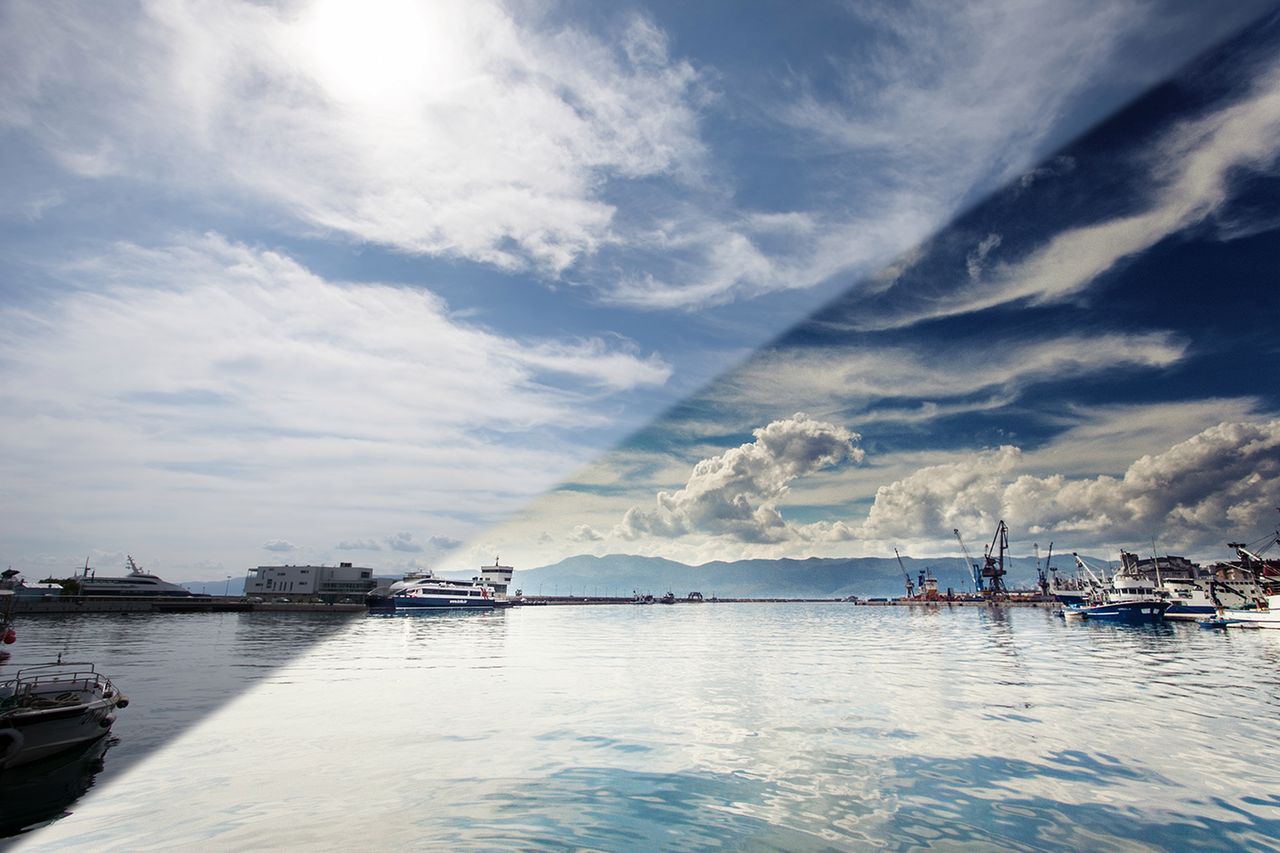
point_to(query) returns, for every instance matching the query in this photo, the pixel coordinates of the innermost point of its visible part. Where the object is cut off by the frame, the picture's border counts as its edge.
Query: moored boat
(423, 590)
(48, 708)
(136, 583)
(1129, 598)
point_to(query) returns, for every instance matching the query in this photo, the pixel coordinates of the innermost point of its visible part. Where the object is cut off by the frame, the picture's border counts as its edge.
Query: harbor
(654, 718)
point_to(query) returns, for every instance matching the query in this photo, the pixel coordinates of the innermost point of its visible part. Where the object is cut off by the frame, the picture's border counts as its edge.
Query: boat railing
(69, 677)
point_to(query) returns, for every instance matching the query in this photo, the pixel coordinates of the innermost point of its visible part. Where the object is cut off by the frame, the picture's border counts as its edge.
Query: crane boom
(973, 566)
(910, 586)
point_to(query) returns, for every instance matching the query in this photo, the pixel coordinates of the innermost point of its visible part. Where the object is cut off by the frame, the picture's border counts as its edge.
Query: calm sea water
(760, 727)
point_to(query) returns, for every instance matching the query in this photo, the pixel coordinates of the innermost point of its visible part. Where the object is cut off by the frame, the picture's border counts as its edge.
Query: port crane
(993, 562)
(910, 588)
(970, 563)
(1042, 574)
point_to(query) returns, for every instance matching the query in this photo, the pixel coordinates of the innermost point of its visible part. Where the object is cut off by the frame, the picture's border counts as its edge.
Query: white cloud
(1190, 167)
(279, 545)
(1218, 484)
(453, 128)
(180, 385)
(585, 533)
(736, 493)
(496, 134)
(1189, 494)
(977, 259)
(358, 545)
(403, 541)
(845, 376)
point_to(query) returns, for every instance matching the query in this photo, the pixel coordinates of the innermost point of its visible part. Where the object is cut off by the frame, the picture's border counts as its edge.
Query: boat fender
(11, 741)
(123, 701)
(106, 721)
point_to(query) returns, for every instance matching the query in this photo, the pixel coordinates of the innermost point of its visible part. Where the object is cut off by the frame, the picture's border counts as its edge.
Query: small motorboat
(48, 708)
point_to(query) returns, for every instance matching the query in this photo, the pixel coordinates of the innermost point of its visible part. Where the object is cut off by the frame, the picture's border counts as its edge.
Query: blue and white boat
(422, 591)
(1128, 599)
(1194, 592)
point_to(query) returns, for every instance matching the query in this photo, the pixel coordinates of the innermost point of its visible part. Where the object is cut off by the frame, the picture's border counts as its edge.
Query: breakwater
(61, 605)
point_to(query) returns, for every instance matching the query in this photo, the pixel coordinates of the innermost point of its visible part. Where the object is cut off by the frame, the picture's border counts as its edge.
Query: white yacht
(137, 582)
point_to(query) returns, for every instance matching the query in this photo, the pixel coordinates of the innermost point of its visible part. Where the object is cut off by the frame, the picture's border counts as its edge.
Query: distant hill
(233, 587)
(815, 577)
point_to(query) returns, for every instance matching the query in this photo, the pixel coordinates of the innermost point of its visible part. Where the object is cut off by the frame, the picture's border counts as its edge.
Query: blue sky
(321, 281)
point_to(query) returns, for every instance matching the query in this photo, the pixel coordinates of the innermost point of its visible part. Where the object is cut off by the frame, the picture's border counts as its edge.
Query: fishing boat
(1264, 611)
(1194, 592)
(1263, 617)
(48, 708)
(1126, 599)
(424, 590)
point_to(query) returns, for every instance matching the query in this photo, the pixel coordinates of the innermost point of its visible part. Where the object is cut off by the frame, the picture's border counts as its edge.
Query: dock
(86, 604)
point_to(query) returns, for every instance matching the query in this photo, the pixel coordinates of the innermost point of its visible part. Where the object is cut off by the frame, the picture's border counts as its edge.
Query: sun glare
(382, 51)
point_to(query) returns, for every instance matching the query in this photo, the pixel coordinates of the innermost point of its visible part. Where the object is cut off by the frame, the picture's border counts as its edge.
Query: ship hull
(1128, 611)
(411, 604)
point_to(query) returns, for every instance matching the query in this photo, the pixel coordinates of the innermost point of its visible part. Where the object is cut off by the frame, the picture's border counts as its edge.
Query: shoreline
(61, 606)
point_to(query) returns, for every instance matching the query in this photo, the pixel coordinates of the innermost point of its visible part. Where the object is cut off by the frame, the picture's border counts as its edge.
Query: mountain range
(815, 577)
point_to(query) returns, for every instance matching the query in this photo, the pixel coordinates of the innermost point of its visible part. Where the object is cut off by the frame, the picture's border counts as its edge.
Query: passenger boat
(48, 708)
(425, 591)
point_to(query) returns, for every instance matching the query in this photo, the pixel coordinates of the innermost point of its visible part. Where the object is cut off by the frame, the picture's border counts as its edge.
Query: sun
(382, 52)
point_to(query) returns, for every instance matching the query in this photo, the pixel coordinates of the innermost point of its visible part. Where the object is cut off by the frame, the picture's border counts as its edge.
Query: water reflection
(39, 792)
(743, 726)
(175, 668)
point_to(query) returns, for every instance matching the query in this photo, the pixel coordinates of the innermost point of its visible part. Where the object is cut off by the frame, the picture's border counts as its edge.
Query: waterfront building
(496, 576)
(329, 583)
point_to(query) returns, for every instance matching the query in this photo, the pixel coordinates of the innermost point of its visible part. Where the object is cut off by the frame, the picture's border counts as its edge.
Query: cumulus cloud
(585, 533)
(736, 494)
(279, 545)
(443, 543)
(453, 128)
(403, 541)
(1194, 494)
(358, 545)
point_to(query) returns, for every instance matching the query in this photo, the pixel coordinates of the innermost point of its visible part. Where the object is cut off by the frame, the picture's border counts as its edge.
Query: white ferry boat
(425, 591)
(136, 583)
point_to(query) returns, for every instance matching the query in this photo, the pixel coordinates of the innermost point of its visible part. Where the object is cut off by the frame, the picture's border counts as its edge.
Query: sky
(407, 284)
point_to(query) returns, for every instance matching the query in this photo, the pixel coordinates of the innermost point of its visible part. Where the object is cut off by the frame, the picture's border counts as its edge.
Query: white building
(496, 576)
(331, 583)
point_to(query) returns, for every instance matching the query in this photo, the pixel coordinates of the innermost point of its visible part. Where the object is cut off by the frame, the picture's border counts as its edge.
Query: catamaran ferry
(425, 591)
